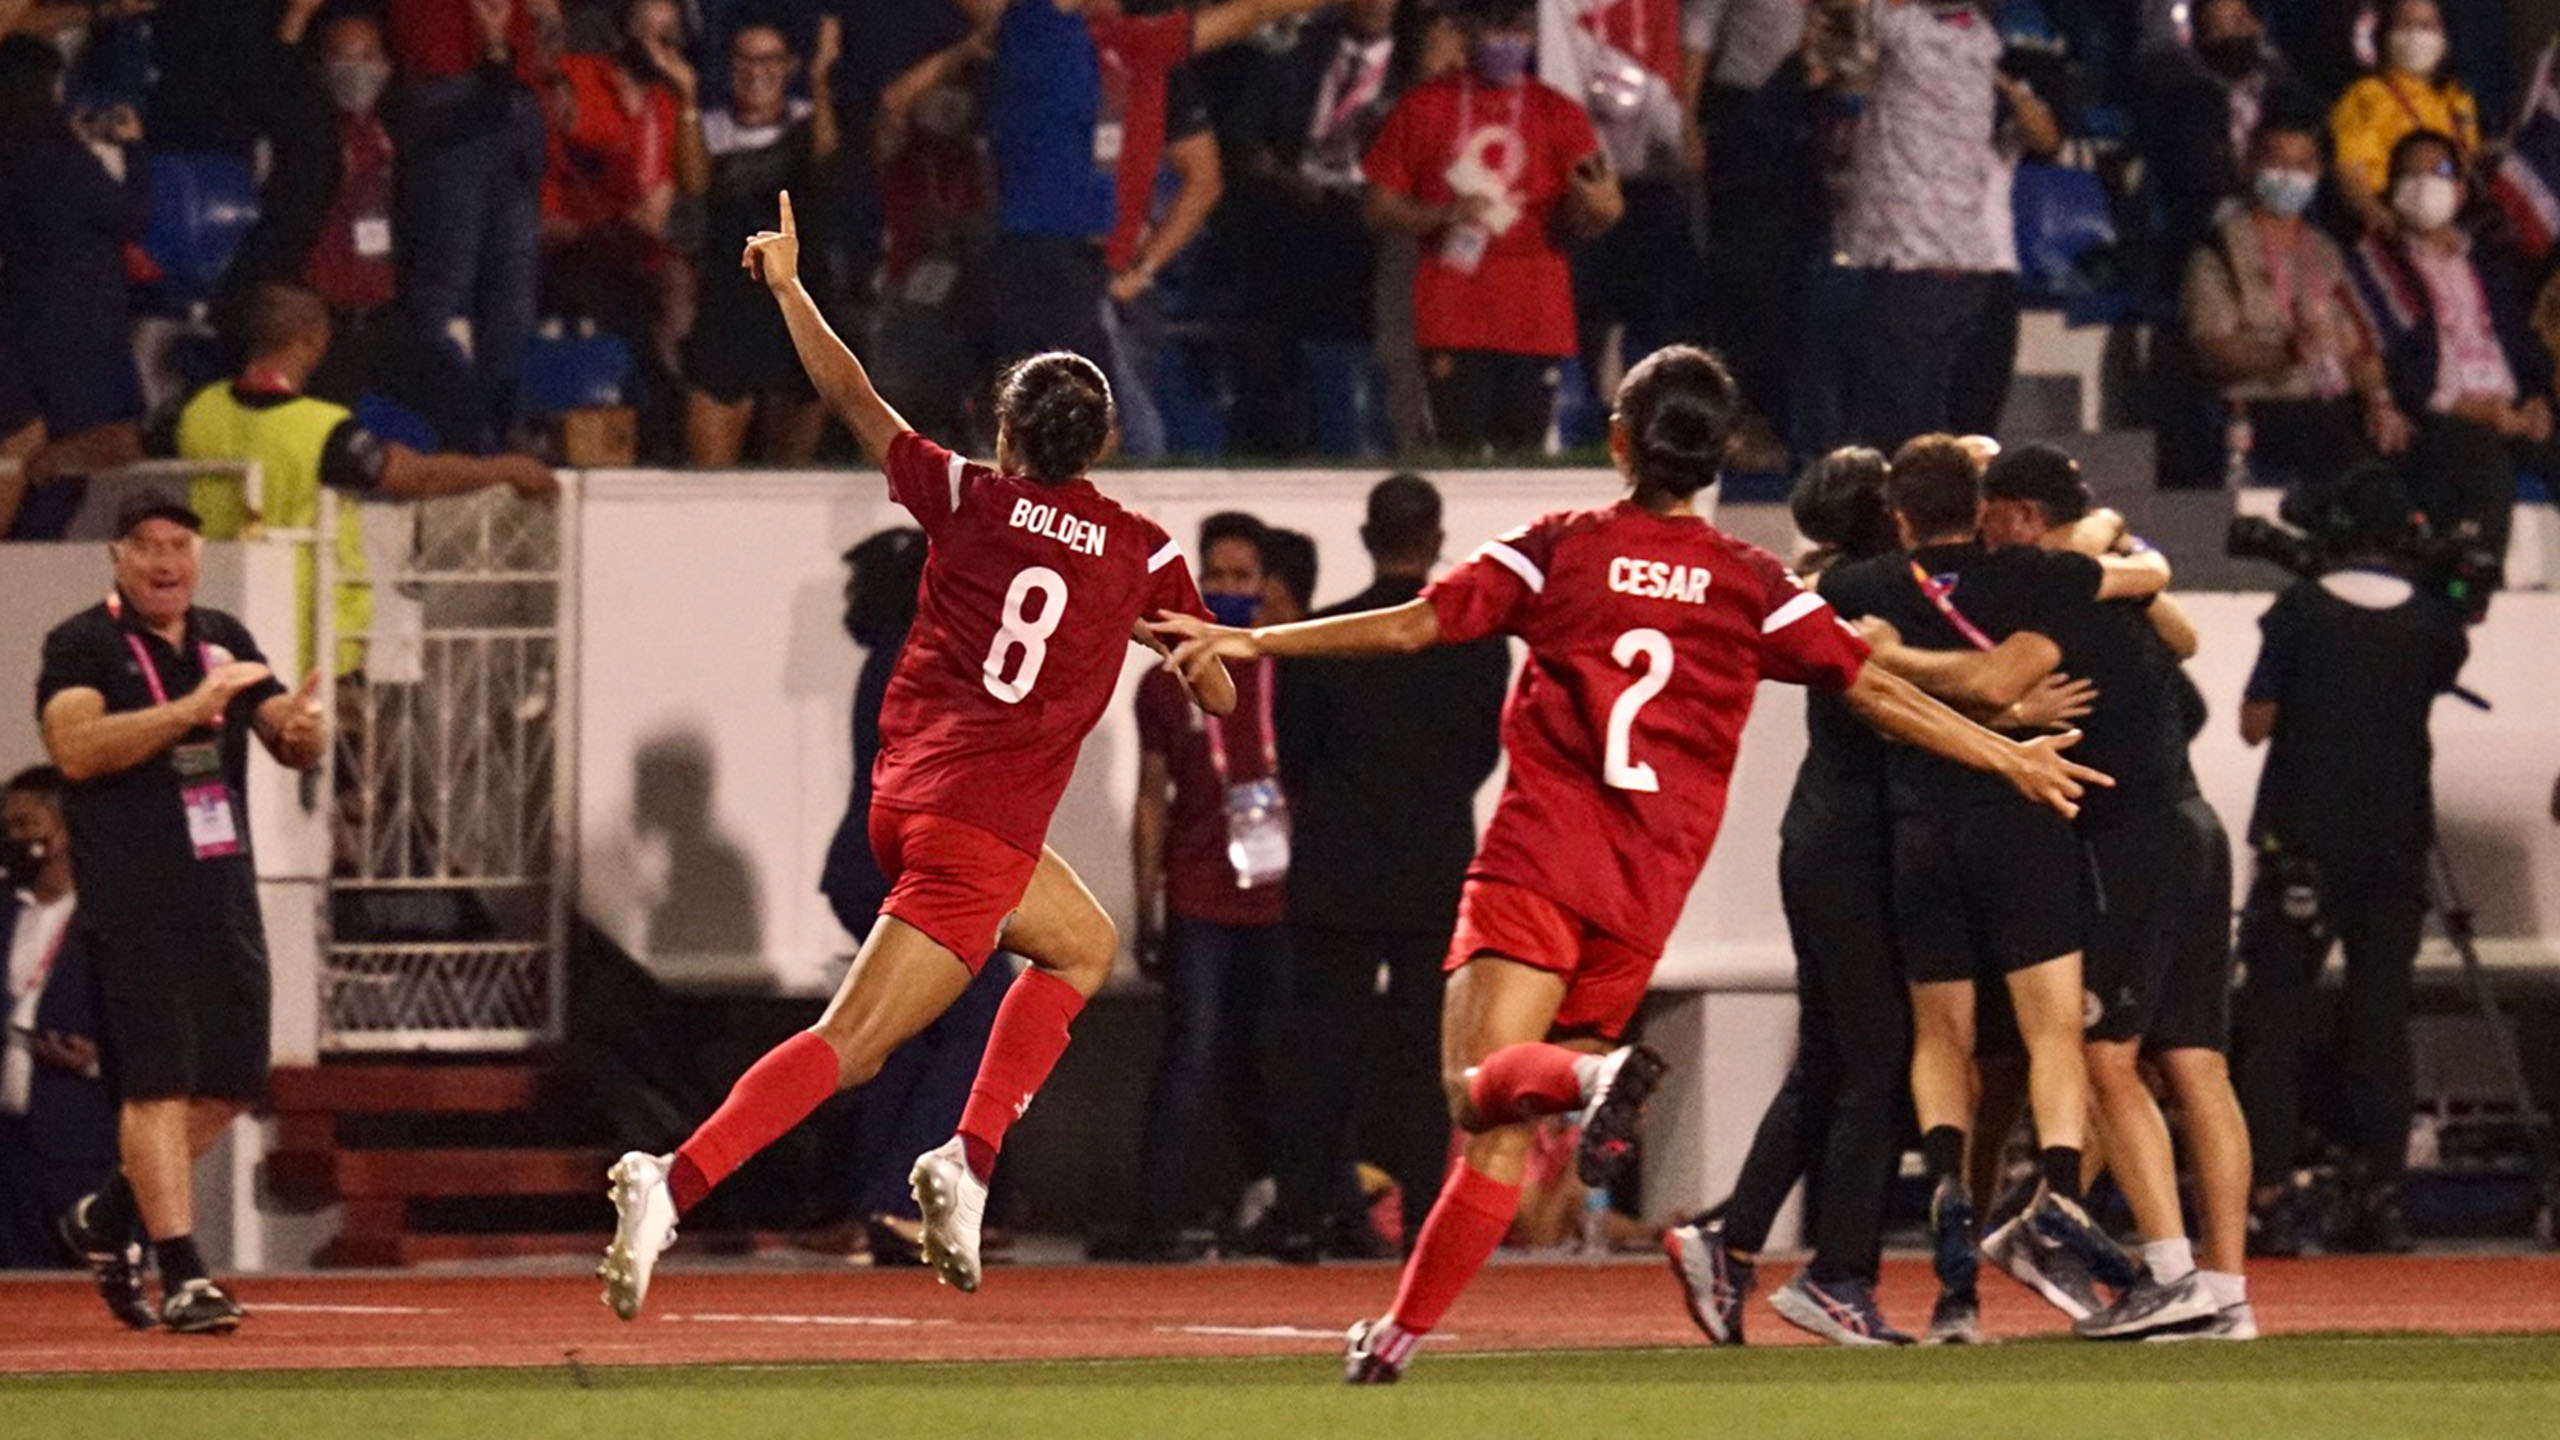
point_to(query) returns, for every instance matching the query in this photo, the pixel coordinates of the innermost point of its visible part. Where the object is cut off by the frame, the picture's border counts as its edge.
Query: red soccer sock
(1029, 1035)
(777, 1092)
(1467, 1223)
(1522, 1082)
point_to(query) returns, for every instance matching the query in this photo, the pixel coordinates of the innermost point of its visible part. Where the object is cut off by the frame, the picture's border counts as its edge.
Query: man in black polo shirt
(148, 703)
(1986, 887)
(2158, 966)
(1381, 760)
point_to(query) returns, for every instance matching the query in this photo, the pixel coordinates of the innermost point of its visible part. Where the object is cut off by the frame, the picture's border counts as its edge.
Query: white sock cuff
(2169, 1260)
(2226, 1288)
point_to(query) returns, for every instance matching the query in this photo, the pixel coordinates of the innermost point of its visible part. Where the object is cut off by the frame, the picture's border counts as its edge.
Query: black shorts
(2148, 876)
(2194, 1007)
(1983, 892)
(741, 352)
(183, 1004)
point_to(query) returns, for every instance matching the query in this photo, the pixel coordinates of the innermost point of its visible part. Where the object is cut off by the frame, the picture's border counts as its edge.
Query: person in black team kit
(2158, 965)
(1838, 1115)
(2350, 669)
(1984, 888)
(1381, 760)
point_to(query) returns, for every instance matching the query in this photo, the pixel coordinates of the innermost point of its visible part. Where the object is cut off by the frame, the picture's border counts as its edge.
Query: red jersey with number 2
(1648, 636)
(1022, 625)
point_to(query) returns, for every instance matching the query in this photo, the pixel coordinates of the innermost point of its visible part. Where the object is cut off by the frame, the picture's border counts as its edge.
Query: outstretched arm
(1208, 683)
(2036, 768)
(1978, 681)
(1397, 630)
(773, 256)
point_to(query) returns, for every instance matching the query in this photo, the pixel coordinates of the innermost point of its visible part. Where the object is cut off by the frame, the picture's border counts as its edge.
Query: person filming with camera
(2352, 662)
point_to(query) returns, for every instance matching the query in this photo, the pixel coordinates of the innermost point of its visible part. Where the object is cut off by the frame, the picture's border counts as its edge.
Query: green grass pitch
(2339, 1386)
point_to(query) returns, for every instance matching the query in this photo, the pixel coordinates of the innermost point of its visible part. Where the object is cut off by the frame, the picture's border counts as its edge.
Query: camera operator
(2351, 666)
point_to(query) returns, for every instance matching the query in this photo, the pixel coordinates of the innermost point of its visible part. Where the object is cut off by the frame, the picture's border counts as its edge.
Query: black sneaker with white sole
(2055, 1274)
(200, 1307)
(1610, 1112)
(1955, 1320)
(115, 1263)
(2150, 1307)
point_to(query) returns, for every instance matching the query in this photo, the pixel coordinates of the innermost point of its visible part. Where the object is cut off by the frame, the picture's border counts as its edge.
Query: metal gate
(448, 889)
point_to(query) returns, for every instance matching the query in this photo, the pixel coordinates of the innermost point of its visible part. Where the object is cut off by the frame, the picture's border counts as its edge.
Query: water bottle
(1595, 1220)
(2238, 439)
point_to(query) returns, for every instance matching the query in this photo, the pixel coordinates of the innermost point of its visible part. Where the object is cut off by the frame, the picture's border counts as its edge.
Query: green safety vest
(286, 440)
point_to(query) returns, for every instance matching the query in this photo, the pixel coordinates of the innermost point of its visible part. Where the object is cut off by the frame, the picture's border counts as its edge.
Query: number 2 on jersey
(1619, 769)
(1024, 633)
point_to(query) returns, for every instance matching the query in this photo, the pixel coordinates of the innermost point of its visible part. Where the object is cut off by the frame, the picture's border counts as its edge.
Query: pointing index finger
(789, 227)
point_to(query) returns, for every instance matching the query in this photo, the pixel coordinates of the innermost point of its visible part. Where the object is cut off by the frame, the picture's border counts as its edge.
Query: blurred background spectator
(57, 1121)
(2200, 105)
(2410, 89)
(739, 362)
(73, 202)
(2452, 320)
(935, 196)
(1210, 903)
(1492, 169)
(1381, 760)
(2273, 323)
(626, 134)
(1310, 276)
(1925, 159)
(475, 76)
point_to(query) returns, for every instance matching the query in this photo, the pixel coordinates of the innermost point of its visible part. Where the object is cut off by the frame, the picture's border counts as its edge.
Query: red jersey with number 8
(1648, 637)
(1022, 626)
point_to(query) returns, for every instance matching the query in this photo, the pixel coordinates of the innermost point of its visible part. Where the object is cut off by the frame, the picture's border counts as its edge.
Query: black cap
(2040, 473)
(144, 505)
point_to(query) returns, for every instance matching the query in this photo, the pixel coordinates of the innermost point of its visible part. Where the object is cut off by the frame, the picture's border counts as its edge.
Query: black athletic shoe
(201, 1308)
(2152, 1308)
(1953, 1252)
(1956, 1319)
(115, 1262)
(2064, 1223)
(1609, 1113)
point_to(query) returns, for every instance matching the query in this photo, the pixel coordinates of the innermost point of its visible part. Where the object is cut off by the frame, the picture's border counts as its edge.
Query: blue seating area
(202, 207)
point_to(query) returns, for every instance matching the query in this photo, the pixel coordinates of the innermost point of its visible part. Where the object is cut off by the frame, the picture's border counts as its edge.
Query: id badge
(211, 827)
(373, 237)
(1108, 137)
(1257, 833)
(1462, 248)
(931, 282)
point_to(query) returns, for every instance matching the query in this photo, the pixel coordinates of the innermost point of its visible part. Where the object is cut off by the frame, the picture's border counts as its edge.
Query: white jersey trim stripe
(1171, 552)
(1518, 564)
(1791, 612)
(958, 465)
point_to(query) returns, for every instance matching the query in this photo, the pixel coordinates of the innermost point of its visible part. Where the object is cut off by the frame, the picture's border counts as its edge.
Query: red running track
(1088, 1312)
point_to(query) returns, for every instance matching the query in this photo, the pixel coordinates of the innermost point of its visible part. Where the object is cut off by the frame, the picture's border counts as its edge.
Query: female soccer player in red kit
(1034, 582)
(1648, 633)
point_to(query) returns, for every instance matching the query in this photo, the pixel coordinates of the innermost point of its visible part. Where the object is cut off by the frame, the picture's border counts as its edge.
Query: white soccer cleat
(954, 1202)
(644, 1226)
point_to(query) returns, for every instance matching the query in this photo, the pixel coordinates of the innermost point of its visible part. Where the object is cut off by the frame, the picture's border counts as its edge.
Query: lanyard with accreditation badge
(1257, 813)
(203, 795)
(1937, 592)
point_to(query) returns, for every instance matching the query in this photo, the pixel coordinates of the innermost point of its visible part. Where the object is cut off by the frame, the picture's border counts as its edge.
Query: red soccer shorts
(953, 881)
(1605, 977)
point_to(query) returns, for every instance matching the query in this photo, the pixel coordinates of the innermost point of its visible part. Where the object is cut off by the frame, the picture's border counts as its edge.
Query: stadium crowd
(1340, 227)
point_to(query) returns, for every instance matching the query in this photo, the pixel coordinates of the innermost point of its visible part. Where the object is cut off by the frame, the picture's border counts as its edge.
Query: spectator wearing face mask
(327, 223)
(2411, 91)
(630, 137)
(2200, 109)
(1492, 170)
(2452, 321)
(2272, 320)
(1210, 849)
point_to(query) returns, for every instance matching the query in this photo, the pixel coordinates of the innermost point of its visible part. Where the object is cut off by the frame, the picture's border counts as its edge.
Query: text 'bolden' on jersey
(1022, 623)
(1648, 636)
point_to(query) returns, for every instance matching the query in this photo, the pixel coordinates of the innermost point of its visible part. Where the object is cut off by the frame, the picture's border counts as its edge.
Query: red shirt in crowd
(350, 265)
(439, 39)
(1199, 879)
(611, 157)
(1135, 54)
(1523, 140)
(1030, 594)
(1648, 636)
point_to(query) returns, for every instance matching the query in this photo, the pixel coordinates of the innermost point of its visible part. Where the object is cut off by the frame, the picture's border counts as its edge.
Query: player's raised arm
(773, 256)
(1207, 682)
(1902, 710)
(1396, 630)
